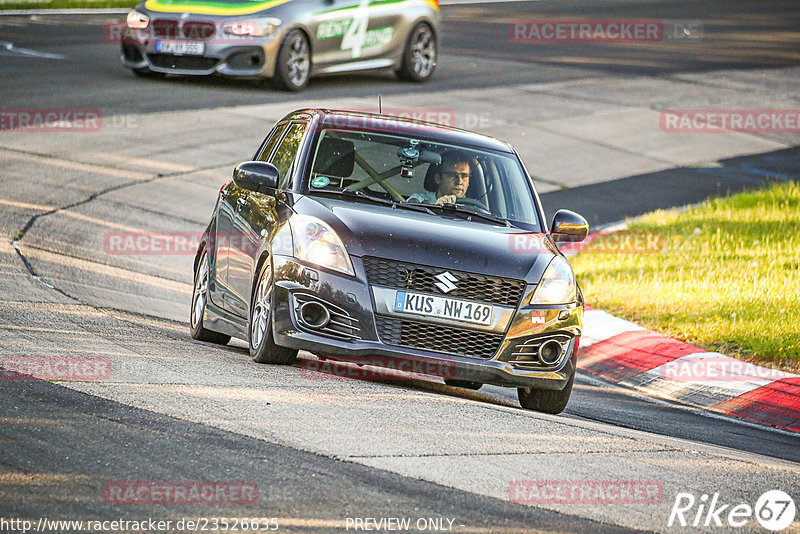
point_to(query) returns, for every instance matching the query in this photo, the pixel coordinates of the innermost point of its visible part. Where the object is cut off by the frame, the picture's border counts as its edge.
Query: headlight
(138, 21)
(557, 285)
(252, 28)
(315, 242)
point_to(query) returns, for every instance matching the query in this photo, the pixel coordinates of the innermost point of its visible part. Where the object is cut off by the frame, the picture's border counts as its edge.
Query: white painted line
(599, 326)
(4, 45)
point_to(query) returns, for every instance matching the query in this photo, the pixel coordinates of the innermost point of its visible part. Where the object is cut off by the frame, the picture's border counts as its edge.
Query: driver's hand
(446, 199)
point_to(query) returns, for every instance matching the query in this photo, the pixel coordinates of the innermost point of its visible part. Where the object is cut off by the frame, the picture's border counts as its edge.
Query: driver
(450, 178)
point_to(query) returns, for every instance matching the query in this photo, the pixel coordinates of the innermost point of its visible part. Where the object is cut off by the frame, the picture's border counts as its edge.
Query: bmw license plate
(443, 307)
(180, 48)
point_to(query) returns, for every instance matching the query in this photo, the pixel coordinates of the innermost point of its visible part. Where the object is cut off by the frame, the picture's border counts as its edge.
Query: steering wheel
(473, 203)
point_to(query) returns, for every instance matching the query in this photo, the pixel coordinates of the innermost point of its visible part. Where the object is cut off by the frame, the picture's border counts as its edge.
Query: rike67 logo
(774, 510)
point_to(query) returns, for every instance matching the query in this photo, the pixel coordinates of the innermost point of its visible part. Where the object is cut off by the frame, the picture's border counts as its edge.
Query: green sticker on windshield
(320, 181)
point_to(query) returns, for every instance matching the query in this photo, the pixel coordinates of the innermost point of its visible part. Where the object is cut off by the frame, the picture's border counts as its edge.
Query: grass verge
(724, 275)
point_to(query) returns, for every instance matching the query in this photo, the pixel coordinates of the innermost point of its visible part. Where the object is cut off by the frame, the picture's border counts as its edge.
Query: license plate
(443, 307)
(180, 48)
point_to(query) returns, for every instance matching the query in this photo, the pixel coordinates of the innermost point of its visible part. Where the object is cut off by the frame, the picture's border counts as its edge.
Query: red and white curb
(625, 353)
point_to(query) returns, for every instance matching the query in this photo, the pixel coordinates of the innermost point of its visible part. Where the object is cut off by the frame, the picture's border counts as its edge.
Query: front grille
(166, 28)
(437, 337)
(170, 61)
(471, 286)
(199, 30)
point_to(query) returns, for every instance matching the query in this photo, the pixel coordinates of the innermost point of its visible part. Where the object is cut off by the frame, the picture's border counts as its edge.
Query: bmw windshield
(426, 175)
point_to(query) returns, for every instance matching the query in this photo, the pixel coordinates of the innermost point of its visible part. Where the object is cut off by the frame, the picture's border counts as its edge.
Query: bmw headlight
(558, 284)
(317, 243)
(137, 20)
(252, 28)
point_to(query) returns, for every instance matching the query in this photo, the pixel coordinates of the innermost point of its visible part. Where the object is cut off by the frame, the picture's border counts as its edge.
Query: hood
(213, 7)
(435, 240)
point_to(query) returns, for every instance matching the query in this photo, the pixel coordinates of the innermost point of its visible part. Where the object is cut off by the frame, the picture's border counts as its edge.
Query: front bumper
(352, 303)
(247, 57)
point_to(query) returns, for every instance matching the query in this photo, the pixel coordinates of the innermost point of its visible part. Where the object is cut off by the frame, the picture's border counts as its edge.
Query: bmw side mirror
(255, 175)
(569, 227)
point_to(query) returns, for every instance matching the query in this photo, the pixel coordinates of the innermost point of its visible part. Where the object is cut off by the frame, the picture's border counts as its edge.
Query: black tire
(466, 384)
(546, 400)
(144, 72)
(293, 65)
(199, 302)
(419, 55)
(259, 329)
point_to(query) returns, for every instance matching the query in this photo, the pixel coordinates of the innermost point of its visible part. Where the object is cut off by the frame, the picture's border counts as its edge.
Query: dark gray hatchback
(394, 243)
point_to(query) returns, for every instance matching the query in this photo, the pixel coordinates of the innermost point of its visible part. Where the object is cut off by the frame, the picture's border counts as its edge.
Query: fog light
(550, 352)
(314, 314)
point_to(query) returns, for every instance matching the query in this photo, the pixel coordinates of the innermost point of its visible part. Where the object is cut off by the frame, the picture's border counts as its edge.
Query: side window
(285, 155)
(266, 152)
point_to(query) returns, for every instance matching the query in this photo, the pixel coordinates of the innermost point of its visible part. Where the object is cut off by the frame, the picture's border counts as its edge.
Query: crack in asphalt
(15, 242)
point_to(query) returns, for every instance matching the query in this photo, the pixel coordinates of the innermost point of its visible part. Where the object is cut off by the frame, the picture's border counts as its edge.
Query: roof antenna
(380, 108)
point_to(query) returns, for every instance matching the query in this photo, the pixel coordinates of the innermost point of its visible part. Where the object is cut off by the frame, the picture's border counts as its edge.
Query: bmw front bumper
(248, 57)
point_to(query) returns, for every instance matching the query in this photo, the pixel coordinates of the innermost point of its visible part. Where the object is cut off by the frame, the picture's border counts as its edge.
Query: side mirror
(569, 227)
(255, 175)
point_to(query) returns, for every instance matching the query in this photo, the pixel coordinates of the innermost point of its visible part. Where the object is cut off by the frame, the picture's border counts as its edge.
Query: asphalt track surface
(60, 444)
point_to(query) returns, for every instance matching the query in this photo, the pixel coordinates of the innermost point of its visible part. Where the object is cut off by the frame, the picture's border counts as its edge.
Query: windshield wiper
(456, 209)
(360, 194)
(357, 193)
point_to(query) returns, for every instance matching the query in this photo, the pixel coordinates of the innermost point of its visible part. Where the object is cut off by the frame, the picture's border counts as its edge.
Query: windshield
(405, 170)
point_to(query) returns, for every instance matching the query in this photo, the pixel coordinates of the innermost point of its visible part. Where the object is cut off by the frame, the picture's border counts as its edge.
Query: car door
(347, 31)
(255, 217)
(229, 228)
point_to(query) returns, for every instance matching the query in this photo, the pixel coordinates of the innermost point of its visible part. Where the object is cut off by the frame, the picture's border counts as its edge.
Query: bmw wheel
(546, 400)
(293, 65)
(419, 56)
(199, 302)
(262, 344)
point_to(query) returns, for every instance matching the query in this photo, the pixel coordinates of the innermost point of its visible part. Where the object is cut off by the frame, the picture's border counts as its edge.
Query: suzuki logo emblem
(445, 282)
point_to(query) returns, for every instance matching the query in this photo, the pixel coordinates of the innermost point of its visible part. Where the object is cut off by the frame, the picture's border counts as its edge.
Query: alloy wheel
(298, 60)
(423, 52)
(261, 308)
(200, 292)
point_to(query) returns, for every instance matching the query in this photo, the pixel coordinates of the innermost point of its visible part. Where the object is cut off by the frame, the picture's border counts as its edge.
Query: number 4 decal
(356, 33)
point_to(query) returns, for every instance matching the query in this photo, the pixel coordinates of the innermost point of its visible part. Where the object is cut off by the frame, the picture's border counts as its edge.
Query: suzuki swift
(370, 238)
